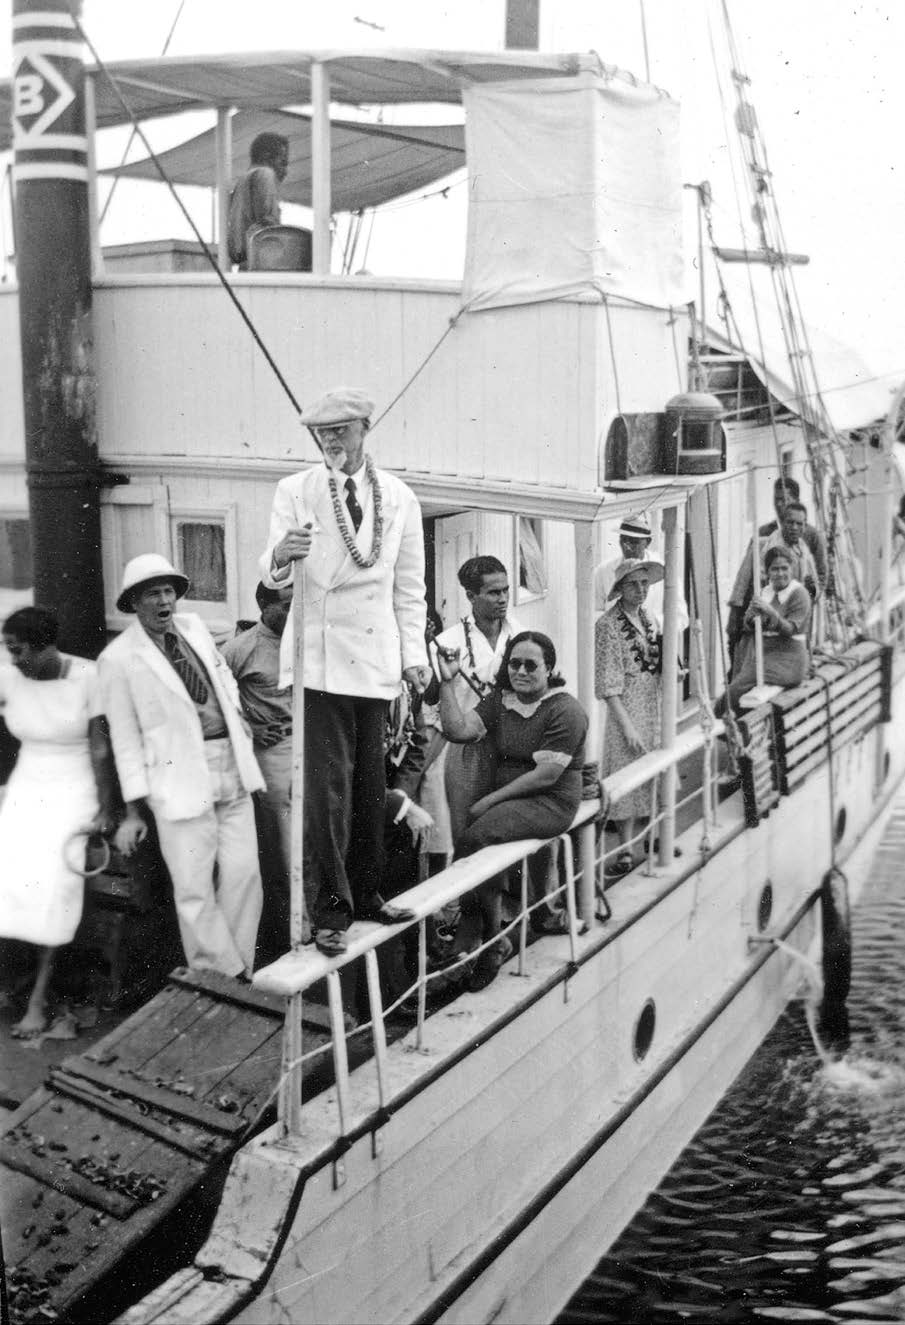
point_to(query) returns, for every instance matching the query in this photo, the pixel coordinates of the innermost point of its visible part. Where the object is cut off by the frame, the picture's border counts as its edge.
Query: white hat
(341, 405)
(635, 526)
(148, 566)
(655, 572)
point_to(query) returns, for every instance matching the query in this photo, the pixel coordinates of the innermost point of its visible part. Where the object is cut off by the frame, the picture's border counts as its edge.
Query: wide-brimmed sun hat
(148, 566)
(341, 405)
(655, 571)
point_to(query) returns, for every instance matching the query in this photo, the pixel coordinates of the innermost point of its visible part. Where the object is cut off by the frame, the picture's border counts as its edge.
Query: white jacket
(154, 726)
(362, 627)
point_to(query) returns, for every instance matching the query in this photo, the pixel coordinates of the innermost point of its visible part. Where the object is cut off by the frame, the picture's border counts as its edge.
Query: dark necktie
(352, 504)
(185, 669)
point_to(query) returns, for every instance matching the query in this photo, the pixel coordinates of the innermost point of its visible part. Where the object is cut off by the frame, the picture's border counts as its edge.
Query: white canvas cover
(575, 187)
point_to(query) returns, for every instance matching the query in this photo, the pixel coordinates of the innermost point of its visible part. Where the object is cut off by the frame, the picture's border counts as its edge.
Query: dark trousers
(345, 793)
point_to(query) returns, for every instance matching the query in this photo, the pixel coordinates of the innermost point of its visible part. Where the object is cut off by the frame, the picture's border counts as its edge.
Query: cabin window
(15, 553)
(532, 567)
(201, 552)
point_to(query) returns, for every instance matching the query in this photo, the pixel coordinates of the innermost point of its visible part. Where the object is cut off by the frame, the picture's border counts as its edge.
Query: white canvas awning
(574, 190)
(172, 85)
(371, 163)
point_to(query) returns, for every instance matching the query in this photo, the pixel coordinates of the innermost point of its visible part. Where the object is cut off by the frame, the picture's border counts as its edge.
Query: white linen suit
(197, 790)
(362, 627)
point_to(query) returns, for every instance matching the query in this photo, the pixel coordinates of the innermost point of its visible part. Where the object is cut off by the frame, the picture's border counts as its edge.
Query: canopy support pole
(584, 535)
(670, 680)
(320, 168)
(224, 149)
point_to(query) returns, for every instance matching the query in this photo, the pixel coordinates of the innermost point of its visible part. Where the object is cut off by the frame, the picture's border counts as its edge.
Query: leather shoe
(387, 914)
(331, 942)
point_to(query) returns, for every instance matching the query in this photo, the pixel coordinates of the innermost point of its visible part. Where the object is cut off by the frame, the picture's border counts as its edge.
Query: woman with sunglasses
(537, 733)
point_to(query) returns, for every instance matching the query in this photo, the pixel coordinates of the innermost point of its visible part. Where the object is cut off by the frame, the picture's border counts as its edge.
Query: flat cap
(341, 405)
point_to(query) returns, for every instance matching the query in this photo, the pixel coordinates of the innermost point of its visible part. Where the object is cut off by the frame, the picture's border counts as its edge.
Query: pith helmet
(148, 566)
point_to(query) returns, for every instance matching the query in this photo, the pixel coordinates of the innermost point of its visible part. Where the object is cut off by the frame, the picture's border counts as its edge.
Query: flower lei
(339, 510)
(486, 687)
(647, 656)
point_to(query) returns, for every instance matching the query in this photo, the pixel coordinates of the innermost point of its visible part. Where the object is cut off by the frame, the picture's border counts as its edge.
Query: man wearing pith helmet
(357, 529)
(183, 753)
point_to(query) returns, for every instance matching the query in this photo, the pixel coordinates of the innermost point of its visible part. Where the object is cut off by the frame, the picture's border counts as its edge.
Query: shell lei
(364, 563)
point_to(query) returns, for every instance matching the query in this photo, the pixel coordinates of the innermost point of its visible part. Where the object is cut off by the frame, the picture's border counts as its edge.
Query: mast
(53, 264)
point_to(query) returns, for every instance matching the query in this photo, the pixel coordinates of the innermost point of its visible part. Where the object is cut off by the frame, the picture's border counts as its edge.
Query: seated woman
(537, 733)
(784, 608)
(627, 676)
(51, 706)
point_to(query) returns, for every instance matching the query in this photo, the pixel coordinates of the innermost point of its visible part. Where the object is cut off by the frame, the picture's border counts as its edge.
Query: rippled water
(790, 1202)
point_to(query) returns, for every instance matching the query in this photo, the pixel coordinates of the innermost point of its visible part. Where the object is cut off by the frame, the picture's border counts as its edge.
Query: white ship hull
(526, 1134)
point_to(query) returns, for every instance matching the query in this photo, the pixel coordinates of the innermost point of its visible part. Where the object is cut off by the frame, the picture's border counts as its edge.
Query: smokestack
(522, 25)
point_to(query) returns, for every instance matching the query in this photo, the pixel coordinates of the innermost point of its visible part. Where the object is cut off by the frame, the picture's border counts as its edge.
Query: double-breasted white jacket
(362, 627)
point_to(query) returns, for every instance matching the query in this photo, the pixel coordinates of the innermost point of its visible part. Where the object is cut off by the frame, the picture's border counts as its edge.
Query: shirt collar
(785, 594)
(510, 700)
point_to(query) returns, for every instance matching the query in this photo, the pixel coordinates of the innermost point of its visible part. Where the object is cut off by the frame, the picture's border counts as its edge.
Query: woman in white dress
(50, 705)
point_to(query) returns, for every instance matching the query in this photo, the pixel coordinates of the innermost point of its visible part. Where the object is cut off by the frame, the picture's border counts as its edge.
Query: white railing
(295, 972)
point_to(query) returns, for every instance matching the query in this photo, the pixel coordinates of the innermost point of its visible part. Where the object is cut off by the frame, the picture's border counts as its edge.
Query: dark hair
(796, 506)
(772, 553)
(789, 485)
(264, 597)
(35, 626)
(472, 572)
(545, 644)
(266, 148)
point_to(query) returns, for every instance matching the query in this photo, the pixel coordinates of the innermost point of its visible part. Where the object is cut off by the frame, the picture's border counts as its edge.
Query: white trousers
(213, 863)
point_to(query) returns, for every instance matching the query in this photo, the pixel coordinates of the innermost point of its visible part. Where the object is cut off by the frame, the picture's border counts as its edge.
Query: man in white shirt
(635, 540)
(480, 639)
(358, 530)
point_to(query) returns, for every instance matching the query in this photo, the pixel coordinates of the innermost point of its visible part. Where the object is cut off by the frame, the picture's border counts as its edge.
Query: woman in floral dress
(627, 676)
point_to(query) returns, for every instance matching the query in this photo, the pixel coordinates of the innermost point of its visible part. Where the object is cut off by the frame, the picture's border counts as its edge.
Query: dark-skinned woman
(784, 607)
(55, 791)
(538, 734)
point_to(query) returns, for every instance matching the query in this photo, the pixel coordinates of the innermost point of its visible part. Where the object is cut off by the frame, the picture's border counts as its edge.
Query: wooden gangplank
(120, 1136)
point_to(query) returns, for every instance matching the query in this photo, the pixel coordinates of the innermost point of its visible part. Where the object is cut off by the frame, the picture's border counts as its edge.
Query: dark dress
(519, 733)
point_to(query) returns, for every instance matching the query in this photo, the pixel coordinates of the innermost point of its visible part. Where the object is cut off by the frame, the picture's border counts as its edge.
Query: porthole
(839, 827)
(644, 1029)
(765, 907)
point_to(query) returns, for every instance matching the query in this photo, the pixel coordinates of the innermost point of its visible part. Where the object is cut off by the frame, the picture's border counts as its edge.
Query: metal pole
(320, 168)
(670, 678)
(94, 224)
(584, 539)
(224, 180)
(53, 265)
(755, 582)
(291, 1085)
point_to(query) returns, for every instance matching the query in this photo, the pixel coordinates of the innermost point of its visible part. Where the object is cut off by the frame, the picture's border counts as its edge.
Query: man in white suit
(182, 749)
(358, 531)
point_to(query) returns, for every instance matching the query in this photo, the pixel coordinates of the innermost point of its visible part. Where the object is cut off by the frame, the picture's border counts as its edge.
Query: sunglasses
(522, 665)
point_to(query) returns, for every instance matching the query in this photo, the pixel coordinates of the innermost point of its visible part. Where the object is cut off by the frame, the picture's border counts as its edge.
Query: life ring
(837, 938)
(88, 834)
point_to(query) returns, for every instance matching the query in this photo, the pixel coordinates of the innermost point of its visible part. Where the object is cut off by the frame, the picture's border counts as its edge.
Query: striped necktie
(352, 504)
(185, 669)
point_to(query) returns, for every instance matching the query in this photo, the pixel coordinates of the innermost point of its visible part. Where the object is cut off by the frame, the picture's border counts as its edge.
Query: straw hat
(141, 569)
(655, 571)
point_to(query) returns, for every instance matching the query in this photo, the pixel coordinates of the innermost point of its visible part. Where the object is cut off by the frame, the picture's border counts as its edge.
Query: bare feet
(33, 1023)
